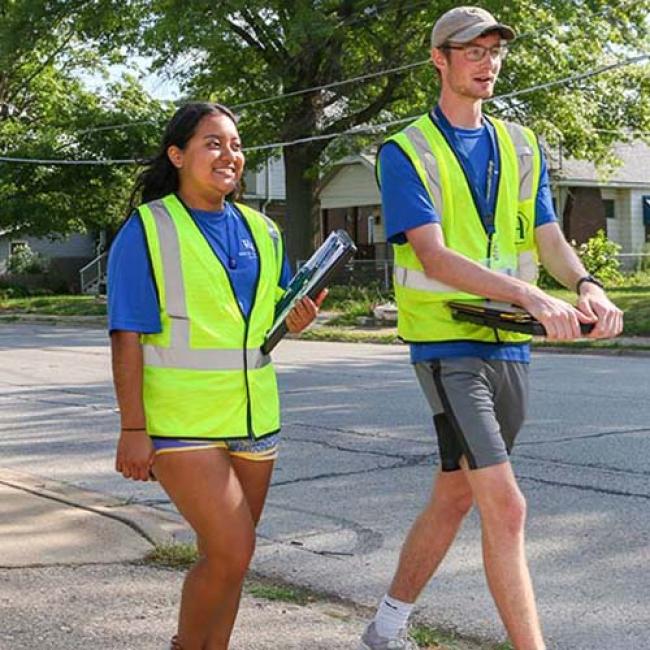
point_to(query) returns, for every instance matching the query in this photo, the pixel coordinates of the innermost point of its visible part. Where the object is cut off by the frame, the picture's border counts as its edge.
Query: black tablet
(502, 316)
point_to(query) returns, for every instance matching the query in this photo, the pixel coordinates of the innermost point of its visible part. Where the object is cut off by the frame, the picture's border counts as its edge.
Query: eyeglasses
(477, 52)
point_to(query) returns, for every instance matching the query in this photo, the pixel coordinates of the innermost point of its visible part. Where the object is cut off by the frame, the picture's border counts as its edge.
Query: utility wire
(273, 98)
(334, 84)
(302, 91)
(358, 130)
(265, 100)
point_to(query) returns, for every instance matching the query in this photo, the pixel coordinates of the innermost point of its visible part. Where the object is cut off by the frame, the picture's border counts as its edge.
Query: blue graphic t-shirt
(132, 297)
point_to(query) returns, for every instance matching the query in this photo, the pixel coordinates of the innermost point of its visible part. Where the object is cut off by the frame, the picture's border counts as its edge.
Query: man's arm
(561, 261)
(560, 319)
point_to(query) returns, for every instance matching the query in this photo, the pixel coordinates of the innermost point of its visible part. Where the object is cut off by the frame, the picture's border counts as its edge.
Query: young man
(468, 208)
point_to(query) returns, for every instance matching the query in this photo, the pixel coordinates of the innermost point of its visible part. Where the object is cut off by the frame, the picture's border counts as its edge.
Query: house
(264, 189)
(78, 262)
(350, 200)
(65, 256)
(585, 201)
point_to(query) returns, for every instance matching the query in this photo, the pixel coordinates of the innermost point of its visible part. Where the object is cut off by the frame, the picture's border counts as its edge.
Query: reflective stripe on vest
(203, 359)
(525, 157)
(423, 149)
(415, 279)
(180, 354)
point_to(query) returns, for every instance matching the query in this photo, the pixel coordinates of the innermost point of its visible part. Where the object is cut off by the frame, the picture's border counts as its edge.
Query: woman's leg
(207, 492)
(254, 478)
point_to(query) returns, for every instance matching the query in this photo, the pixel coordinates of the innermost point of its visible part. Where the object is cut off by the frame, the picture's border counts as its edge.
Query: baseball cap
(463, 24)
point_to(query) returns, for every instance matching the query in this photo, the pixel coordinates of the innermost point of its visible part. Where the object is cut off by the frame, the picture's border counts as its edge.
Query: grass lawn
(349, 303)
(54, 305)
(633, 300)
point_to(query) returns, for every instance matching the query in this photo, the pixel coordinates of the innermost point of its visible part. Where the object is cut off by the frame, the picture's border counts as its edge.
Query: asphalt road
(356, 464)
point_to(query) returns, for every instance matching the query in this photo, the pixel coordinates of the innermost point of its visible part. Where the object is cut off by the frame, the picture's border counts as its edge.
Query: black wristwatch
(588, 278)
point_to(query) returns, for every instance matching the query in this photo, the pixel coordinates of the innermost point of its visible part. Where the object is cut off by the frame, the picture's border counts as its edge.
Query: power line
(273, 98)
(265, 100)
(334, 84)
(359, 130)
(578, 77)
(302, 91)
(125, 161)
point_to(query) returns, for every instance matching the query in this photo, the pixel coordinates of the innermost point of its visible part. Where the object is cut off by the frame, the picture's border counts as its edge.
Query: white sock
(392, 616)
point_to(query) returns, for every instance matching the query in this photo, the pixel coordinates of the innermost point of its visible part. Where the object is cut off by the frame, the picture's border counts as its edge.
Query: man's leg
(503, 513)
(431, 535)
(424, 549)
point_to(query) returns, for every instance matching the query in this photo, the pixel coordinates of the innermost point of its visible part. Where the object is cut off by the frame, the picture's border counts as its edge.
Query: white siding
(76, 245)
(4, 254)
(627, 228)
(616, 226)
(635, 211)
(352, 185)
(272, 175)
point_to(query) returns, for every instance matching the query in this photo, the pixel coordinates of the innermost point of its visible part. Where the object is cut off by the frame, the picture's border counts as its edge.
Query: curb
(156, 527)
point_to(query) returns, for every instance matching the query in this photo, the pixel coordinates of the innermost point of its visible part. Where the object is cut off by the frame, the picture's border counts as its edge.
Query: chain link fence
(364, 273)
(380, 272)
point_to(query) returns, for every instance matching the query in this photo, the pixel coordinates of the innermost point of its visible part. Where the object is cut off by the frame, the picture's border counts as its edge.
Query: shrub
(599, 256)
(25, 261)
(8, 290)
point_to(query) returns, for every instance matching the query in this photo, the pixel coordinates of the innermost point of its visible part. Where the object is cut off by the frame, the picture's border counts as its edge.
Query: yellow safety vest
(423, 315)
(204, 373)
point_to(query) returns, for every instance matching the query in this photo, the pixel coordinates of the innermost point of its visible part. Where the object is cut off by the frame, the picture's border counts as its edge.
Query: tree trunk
(300, 212)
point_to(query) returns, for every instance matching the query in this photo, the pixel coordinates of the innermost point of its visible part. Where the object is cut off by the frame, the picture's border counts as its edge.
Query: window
(610, 208)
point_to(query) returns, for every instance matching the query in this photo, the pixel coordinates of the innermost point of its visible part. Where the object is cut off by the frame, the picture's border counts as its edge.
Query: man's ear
(175, 155)
(438, 58)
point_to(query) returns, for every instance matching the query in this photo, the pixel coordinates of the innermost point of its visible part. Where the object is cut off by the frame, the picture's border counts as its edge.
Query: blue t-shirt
(132, 296)
(406, 205)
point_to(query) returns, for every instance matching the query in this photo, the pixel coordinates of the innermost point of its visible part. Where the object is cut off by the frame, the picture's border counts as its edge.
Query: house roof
(634, 168)
(365, 159)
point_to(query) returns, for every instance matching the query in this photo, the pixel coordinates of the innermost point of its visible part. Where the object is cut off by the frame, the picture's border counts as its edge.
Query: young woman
(193, 281)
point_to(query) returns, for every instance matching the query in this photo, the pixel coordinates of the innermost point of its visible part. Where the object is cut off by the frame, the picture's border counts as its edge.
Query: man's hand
(560, 319)
(304, 312)
(135, 455)
(594, 303)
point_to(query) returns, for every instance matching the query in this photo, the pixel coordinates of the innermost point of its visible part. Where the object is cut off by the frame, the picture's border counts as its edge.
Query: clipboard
(502, 316)
(312, 277)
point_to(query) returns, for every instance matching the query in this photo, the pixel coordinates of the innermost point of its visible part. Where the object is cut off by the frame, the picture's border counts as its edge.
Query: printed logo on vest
(523, 226)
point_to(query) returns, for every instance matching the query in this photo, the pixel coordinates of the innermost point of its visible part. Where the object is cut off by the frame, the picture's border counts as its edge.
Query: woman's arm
(135, 453)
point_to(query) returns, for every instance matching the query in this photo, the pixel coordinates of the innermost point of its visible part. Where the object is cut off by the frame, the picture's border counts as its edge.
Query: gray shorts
(478, 408)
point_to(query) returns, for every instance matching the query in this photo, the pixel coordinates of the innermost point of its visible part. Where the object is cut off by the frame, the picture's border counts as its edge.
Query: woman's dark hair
(161, 177)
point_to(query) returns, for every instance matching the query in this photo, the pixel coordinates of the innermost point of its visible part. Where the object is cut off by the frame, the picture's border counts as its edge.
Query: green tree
(47, 49)
(238, 52)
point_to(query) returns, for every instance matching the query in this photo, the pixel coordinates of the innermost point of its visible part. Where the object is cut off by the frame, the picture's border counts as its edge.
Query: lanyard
(483, 197)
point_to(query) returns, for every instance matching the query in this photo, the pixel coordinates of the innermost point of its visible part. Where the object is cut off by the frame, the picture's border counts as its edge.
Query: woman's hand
(304, 312)
(135, 455)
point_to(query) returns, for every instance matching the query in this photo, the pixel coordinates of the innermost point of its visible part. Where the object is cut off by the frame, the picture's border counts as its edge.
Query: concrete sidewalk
(72, 576)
